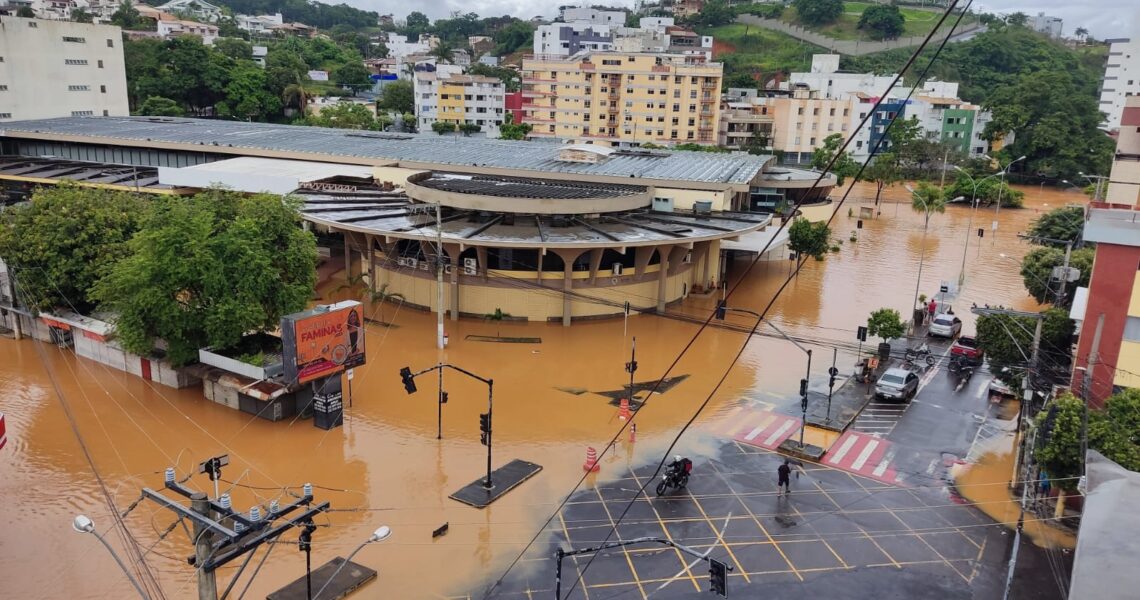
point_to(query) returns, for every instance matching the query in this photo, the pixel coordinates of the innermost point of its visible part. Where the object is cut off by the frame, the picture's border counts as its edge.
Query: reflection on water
(385, 465)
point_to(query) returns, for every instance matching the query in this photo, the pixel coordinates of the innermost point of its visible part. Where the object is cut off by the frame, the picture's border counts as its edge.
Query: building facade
(1050, 26)
(623, 99)
(445, 94)
(207, 32)
(1121, 79)
(566, 39)
(60, 69)
(586, 14)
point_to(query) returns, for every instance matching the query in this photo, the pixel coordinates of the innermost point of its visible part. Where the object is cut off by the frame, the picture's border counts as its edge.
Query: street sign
(993, 225)
(859, 224)
(981, 232)
(349, 374)
(1070, 275)
(942, 289)
(861, 333)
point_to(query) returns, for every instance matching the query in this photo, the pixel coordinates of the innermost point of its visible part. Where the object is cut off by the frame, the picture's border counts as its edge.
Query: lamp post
(1096, 179)
(382, 533)
(409, 377)
(970, 223)
(926, 208)
(83, 524)
(997, 210)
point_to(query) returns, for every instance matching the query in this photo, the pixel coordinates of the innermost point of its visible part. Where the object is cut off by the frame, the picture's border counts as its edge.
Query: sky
(1103, 18)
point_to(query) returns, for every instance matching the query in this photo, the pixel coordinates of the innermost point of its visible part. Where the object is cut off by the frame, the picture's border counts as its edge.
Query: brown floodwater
(385, 465)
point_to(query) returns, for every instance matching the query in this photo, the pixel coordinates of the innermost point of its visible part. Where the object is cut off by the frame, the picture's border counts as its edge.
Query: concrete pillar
(568, 258)
(641, 258)
(370, 261)
(538, 271)
(481, 257)
(453, 251)
(595, 264)
(701, 259)
(347, 255)
(662, 276)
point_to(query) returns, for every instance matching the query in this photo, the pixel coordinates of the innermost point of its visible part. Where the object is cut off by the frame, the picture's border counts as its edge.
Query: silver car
(945, 325)
(897, 384)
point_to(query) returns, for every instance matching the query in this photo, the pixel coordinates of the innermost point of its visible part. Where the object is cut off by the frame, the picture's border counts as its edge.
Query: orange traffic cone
(623, 414)
(591, 460)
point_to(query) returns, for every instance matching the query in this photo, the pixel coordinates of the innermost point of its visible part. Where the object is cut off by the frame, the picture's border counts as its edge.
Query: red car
(966, 349)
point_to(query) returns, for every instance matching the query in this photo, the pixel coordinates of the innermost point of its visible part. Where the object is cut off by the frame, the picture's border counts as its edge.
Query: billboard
(322, 341)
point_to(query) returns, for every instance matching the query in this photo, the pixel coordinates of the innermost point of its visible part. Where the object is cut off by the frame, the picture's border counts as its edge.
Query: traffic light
(718, 575)
(861, 333)
(443, 397)
(721, 310)
(832, 372)
(409, 381)
(803, 388)
(484, 428)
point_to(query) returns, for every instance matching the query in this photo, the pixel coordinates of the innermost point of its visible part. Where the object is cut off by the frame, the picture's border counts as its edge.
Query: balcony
(661, 69)
(587, 66)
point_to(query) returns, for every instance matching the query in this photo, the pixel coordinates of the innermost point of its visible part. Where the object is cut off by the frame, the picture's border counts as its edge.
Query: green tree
(886, 323)
(818, 12)
(810, 238)
(25, 12)
(902, 135)
(247, 96)
(927, 199)
(1037, 272)
(1113, 431)
(509, 77)
(204, 271)
(882, 21)
(714, 14)
(284, 68)
(127, 17)
(987, 193)
(443, 52)
(235, 48)
(515, 36)
(844, 166)
(398, 97)
(1008, 342)
(157, 106)
(59, 244)
(295, 97)
(353, 74)
(416, 23)
(408, 121)
(883, 172)
(345, 115)
(1066, 223)
(80, 15)
(510, 130)
(442, 127)
(467, 128)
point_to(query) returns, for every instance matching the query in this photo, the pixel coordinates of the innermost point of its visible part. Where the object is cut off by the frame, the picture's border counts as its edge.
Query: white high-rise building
(54, 69)
(444, 93)
(1050, 26)
(1121, 79)
(826, 78)
(613, 18)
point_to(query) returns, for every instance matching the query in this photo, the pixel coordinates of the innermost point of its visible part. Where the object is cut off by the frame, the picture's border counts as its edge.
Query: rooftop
(1120, 226)
(414, 151)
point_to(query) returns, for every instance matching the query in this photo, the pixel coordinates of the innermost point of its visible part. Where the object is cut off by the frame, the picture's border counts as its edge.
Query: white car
(897, 384)
(945, 325)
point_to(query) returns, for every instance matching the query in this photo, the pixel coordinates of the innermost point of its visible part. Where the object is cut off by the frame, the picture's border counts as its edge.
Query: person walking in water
(785, 478)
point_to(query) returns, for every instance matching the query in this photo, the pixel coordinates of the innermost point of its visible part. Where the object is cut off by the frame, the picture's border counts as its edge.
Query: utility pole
(631, 367)
(1086, 388)
(1064, 274)
(439, 278)
(203, 540)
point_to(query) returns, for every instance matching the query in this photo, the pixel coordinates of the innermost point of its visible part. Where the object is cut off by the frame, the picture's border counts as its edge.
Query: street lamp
(382, 533)
(970, 223)
(83, 524)
(922, 250)
(1097, 179)
(997, 210)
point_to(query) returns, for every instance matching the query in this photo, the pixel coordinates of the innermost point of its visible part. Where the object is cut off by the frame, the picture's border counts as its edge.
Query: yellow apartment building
(623, 99)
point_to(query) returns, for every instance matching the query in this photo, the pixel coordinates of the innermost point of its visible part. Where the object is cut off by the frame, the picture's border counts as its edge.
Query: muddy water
(385, 465)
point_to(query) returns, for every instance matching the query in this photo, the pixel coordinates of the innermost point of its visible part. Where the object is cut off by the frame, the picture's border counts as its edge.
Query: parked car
(945, 325)
(897, 384)
(966, 349)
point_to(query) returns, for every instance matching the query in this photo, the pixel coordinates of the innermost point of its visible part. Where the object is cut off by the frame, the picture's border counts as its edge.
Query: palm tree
(928, 200)
(497, 317)
(443, 52)
(382, 295)
(1081, 33)
(295, 97)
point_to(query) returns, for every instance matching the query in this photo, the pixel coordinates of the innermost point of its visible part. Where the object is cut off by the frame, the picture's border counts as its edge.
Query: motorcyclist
(681, 465)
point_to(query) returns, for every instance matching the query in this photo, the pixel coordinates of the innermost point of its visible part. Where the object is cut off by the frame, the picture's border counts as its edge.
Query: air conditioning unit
(688, 257)
(617, 269)
(402, 261)
(470, 266)
(448, 269)
(425, 265)
(413, 262)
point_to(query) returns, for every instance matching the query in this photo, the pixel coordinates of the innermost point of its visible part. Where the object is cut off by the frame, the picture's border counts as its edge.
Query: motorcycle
(923, 352)
(674, 477)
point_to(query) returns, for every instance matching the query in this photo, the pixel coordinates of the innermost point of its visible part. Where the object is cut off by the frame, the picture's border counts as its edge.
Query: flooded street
(385, 466)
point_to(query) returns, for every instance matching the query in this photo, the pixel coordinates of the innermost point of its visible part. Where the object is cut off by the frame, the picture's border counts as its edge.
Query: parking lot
(836, 533)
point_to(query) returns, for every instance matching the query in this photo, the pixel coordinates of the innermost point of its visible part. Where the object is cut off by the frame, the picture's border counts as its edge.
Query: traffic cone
(591, 463)
(623, 414)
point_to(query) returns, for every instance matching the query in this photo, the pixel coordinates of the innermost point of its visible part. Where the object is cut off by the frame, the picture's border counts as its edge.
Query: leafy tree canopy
(1113, 431)
(1037, 272)
(988, 190)
(509, 77)
(442, 127)
(714, 13)
(205, 270)
(811, 238)
(818, 12)
(60, 243)
(1066, 223)
(157, 106)
(346, 115)
(510, 130)
(886, 323)
(882, 21)
(398, 97)
(844, 166)
(353, 74)
(316, 14)
(1008, 342)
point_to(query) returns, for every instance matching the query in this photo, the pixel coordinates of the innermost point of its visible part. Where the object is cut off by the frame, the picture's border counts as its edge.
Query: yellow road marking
(632, 569)
(668, 535)
(720, 538)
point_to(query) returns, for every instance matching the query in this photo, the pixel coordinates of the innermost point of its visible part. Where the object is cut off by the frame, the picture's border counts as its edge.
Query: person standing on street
(932, 308)
(785, 478)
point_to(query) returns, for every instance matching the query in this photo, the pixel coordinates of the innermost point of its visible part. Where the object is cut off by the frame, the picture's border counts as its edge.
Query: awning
(253, 174)
(756, 241)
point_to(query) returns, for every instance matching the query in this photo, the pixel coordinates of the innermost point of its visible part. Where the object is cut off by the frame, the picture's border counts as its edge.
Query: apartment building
(567, 39)
(60, 69)
(174, 28)
(1121, 79)
(830, 82)
(446, 94)
(1050, 26)
(803, 119)
(623, 99)
(586, 14)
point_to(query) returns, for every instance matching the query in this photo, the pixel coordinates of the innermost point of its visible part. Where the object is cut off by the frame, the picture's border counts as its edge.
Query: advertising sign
(323, 341)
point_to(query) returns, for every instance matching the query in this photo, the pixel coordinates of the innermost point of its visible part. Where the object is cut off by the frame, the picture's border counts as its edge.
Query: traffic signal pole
(718, 571)
(409, 380)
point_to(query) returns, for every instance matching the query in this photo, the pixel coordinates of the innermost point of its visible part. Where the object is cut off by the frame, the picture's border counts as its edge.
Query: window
(74, 40)
(106, 113)
(800, 111)
(676, 121)
(832, 112)
(75, 61)
(3, 88)
(812, 142)
(845, 111)
(692, 108)
(102, 89)
(5, 115)
(676, 108)
(78, 88)
(82, 113)
(1132, 329)
(689, 135)
(692, 93)
(815, 112)
(33, 24)
(110, 43)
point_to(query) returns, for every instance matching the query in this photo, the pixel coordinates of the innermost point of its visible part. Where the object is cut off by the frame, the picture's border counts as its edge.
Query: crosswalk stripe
(838, 456)
(779, 432)
(759, 428)
(883, 464)
(865, 454)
